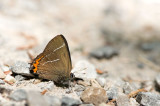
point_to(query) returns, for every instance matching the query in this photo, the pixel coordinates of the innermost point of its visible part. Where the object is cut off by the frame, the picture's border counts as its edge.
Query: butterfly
(54, 63)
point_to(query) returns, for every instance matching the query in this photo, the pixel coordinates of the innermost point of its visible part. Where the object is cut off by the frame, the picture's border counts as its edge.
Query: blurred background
(121, 37)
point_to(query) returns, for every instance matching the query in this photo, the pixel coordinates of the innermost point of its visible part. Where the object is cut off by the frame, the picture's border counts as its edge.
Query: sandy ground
(29, 25)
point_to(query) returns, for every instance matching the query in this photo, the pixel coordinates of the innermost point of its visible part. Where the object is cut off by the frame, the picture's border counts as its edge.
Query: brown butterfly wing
(56, 62)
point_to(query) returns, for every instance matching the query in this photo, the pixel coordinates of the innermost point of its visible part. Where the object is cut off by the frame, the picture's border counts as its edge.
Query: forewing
(56, 63)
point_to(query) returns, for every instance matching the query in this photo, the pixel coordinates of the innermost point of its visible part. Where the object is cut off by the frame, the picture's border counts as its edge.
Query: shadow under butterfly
(54, 63)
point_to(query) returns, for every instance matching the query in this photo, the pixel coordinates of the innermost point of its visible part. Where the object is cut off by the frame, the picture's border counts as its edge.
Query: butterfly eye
(72, 75)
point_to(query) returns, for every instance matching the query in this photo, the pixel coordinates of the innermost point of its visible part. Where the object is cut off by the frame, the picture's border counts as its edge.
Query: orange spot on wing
(36, 64)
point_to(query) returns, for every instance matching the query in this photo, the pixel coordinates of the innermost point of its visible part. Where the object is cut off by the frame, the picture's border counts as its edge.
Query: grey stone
(2, 75)
(79, 93)
(4, 68)
(50, 85)
(133, 102)
(148, 85)
(5, 90)
(94, 95)
(94, 83)
(34, 98)
(119, 83)
(101, 81)
(2, 82)
(127, 88)
(146, 47)
(84, 70)
(150, 46)
(42, 85)
(140, 65)
(21, 68)
(20, 77)
(112, 93)
(18, 95)
(12, 103)
(67, 101)
(136, 85)
(10, 79)
(53, 101)
(104, 52)
(79, 88)
(148, 99)
(122, 100)
(157, 81)
(46, 85)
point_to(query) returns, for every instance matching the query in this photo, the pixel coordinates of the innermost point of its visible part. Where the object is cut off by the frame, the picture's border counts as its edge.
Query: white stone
(10, 79)
(101, 81)
(21, 68)
(2, 75)
(84, 70)
(5, 68)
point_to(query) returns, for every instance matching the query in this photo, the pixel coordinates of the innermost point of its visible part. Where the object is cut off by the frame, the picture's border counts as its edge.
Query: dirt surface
(131, 27)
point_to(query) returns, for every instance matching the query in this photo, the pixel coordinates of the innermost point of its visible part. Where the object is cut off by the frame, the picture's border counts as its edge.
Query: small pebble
(20, 77)
(148, 85)
(18, 95)
(119, 83)
(5, 68)
(46, 85)
(157, 81)
(79, 88)
(133, 102)
(94, 83)
(34, 98)
(104, 52)
(127, 88)
(50, 85)
(122, 100)
(84, 83)
(2, 75)
(35, 81)
(140, 65)
(149, 46)
(4, 90)
(84, 70)
(67, 101)
(2, 82)
(12, 103)
(112, 93)
(53, 100)
(94, 95)
(21, 68)
(148, 99)
(9, 79)
(101, 81)
(136, 85)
